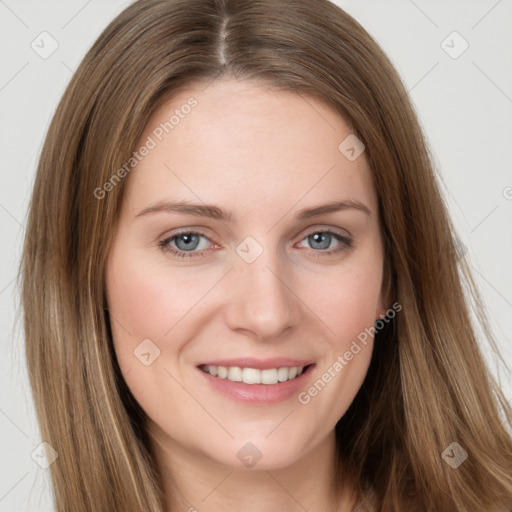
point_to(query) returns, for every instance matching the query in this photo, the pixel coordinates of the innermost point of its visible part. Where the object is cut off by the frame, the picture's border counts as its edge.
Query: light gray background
(464, 104)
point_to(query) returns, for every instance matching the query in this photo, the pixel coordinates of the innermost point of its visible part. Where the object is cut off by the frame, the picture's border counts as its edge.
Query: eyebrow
(214, 212)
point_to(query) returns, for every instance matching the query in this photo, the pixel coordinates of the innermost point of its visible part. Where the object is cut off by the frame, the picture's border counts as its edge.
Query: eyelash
(346, 243)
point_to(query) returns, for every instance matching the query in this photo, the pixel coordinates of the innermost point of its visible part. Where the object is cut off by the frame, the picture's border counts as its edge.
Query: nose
(263, 300)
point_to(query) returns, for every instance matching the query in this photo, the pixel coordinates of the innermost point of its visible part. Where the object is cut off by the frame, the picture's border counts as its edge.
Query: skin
(263, 154)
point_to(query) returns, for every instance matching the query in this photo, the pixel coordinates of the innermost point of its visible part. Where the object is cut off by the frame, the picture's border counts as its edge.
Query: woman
(190, 346)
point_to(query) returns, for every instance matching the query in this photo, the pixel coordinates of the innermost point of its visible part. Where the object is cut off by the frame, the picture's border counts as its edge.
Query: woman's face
(228, 258)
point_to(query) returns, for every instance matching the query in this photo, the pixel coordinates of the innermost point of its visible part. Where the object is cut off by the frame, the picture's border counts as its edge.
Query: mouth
(248, 375)
(257, 383)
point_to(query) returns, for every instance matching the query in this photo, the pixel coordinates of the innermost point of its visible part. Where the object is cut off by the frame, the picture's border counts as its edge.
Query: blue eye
(322, 240)
(187, 243)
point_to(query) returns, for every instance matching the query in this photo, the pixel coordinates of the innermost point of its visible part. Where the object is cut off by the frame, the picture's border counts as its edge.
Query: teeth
(235, 374)
(253, 375)
(269, 376)
(282, 374)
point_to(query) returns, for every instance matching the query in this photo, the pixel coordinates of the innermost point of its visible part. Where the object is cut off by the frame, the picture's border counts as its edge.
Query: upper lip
(260, 364)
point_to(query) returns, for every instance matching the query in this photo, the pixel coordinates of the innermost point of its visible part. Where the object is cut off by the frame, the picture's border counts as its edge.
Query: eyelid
(323, 227)
(201, 231)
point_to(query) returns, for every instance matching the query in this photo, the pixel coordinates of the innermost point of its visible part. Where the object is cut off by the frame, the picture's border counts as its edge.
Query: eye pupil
(321, 238)
(189, 240)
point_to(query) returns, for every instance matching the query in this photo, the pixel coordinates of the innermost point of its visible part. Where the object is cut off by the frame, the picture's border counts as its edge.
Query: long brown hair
(427, 386)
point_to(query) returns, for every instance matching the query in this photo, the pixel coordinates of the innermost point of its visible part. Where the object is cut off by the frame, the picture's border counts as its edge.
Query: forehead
(244, 144)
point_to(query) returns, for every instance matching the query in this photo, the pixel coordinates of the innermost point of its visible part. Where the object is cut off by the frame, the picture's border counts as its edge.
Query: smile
(268, 376)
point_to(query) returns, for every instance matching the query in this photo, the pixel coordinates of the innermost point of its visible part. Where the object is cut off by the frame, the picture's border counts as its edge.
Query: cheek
(348, 310)
(347, 301)
(149, 300)
(342, 370)
(145, 303)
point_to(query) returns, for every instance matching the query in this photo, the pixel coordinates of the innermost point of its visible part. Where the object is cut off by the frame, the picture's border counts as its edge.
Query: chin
(258, 454)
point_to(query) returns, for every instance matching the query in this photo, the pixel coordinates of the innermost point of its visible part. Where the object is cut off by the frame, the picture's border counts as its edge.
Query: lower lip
(259, 393)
